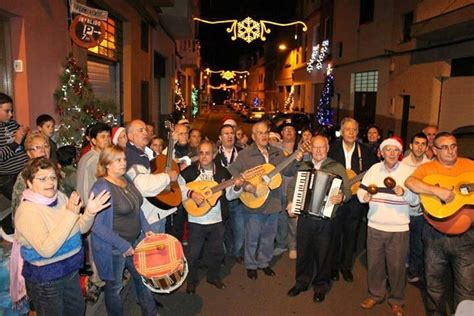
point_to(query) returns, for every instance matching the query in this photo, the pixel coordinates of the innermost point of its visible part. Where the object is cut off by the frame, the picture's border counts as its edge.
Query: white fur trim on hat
(230, 122)
(117, 135)
(391, 142)
(183, 121)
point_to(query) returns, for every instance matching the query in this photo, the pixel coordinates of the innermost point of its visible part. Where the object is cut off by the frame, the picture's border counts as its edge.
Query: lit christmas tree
(194, 102)
(179, 111)
(290, 101)
(77, 106)
(325, 113)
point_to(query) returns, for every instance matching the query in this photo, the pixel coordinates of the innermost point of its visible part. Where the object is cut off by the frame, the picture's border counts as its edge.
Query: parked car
(256, 114)
(245, 112)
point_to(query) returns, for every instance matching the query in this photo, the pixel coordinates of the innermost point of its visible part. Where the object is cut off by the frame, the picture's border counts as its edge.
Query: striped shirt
(12, 156)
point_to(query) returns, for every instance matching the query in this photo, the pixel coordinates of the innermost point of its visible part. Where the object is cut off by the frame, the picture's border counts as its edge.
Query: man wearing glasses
(261, 223)
(442, 251)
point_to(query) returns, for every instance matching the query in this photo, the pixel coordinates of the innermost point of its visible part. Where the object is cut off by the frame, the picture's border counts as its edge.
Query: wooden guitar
(171, 196)
(210, 190)
(265, 178)
(454, 217)
(354, 180)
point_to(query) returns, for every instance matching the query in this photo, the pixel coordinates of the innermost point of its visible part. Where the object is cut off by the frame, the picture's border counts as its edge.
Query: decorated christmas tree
(325, 113)
(290, 100)
(77, 106)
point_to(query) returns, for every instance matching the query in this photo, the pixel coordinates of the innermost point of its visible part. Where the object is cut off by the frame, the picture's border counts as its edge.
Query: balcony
(189, 50)
(436, 25)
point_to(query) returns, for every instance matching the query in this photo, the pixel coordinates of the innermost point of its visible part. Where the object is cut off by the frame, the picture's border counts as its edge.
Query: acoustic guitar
(454, 217)
(210, 190)
(354, 180)
(171, 196)
(267, 177)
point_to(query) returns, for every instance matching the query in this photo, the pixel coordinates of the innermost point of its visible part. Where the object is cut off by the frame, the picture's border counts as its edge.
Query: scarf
(17, 281)
(224, 160)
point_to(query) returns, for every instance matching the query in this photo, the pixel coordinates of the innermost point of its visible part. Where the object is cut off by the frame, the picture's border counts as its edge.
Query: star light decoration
(226, 74)
(248, 29)
(318, 55)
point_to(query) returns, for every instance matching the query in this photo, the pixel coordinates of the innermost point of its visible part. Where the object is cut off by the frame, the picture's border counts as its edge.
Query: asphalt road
(266, 295)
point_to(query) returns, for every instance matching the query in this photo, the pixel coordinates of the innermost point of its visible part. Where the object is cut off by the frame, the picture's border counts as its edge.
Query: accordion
(313, 191)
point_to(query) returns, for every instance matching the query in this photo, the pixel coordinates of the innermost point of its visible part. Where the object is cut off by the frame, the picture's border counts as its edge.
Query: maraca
(390, 182)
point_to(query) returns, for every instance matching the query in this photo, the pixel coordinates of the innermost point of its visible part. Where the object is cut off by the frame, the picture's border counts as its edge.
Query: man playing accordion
(313, 233)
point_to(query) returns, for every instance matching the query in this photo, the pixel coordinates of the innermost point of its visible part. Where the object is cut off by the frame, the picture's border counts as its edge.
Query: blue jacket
(104, 239)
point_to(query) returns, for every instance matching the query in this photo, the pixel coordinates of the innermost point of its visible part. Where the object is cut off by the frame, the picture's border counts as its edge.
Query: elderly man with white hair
(388, 231)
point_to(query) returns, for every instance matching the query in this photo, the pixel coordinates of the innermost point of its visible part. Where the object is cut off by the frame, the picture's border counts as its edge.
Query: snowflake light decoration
(248, 29)
(318, 55)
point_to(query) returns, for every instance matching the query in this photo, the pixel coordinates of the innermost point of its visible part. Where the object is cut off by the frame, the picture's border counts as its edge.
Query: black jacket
(221, 174)
(336, 152)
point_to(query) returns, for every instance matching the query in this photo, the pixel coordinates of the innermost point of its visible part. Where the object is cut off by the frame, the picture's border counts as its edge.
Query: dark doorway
(405, 115)
(364, 108)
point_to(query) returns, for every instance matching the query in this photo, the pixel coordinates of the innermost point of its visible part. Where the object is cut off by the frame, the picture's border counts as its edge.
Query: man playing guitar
(261, 223)
(444, 251)
(358, 158)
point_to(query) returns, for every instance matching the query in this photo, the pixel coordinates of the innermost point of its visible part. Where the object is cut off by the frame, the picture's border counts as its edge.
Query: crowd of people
(107, 203)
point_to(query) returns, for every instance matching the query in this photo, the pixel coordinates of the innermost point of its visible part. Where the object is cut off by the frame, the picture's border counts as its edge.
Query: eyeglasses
(38, 148)
(447, 147)
(44, 179)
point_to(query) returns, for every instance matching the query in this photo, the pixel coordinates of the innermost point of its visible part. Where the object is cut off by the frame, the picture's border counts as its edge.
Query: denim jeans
(260, 231)
(58, 297)
(444, 252)
(237, 219)
(415, 255)
(281, 238)
(113, 300)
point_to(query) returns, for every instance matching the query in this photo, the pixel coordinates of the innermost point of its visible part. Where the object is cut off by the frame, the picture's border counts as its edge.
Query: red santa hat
(116, 131)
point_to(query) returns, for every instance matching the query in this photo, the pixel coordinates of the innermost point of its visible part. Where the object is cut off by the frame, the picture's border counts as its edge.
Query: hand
(288, 210)
(238, 183)
(74, 203)
(250, 188)
(173, 175)
(20, 134)
(337, 198)
(444, 194)
(129, 252)
(367, 197)
(398, 190)
(98, 203)
(197, 197)
(299, 155)
(149, 233)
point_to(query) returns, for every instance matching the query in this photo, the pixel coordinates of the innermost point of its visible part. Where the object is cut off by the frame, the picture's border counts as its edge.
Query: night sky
(218, 51)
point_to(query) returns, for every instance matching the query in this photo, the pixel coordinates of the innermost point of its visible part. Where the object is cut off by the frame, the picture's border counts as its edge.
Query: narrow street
(266, 295)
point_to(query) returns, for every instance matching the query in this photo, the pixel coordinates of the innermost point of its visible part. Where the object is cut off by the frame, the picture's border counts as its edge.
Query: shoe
(412, 278)
(239, 260)
(295, 291)
(279, 251)
(268, 271)
(319, 297)
(368, 303)
(397, 310)
(218, 284)
(191, 288)
(347, 275)
(335, 275)
(252, 274)
(292, 254)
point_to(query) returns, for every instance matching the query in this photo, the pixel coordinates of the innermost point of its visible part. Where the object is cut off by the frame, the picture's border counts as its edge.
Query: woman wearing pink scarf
(48, 228)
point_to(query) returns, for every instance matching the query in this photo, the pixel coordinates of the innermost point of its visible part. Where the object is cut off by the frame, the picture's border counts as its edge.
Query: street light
(282, 47)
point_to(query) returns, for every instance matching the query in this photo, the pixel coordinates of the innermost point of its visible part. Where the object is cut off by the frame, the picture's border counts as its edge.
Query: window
(315, 34)
(462, 67)
(407, 23)
(366, 13)
(327, 28)
(365, 81)
(144, 37)
(110, 45)
(339, 48)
